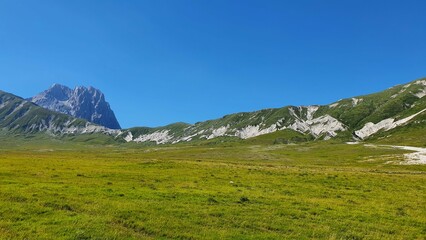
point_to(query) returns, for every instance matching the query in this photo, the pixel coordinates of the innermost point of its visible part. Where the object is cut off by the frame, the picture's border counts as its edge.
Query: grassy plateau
(54, 189)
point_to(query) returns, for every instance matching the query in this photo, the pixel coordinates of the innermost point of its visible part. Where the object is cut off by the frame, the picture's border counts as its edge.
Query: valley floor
(320, 190)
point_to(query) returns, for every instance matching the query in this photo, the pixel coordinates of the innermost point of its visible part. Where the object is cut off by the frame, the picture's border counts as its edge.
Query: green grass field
(324, 190)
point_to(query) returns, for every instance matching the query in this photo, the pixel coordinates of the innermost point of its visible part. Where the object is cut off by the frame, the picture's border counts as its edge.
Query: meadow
(316, 190)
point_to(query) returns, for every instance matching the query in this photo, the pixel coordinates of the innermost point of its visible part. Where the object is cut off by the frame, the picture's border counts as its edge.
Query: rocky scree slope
(81, 102)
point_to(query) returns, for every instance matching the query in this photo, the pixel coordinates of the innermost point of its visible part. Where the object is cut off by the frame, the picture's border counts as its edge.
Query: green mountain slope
(397, 109)
(353, 118)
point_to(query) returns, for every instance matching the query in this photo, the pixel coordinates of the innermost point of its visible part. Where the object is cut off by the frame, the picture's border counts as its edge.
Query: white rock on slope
(219, 132)
(254, 131)
(129, 137)
(316, 126)
(334, 105)
(421, 82)
(355, 101)
(319, 126)
(159, 137)
(421, 93)
(311, 111)
(385, 125)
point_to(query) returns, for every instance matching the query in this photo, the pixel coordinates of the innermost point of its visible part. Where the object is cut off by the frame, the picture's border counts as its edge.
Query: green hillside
(356, 118)
(340, 120)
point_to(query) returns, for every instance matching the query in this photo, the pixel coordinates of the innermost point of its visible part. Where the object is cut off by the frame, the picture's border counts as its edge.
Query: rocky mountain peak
(82, 102)
(59, 92)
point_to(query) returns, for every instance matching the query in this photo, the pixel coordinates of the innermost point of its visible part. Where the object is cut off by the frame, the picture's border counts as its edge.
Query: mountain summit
(81, 102)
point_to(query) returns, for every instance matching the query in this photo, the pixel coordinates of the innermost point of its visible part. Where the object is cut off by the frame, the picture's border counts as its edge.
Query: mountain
(394, 115)
(20, 116)
(355, 118)
(81, 102)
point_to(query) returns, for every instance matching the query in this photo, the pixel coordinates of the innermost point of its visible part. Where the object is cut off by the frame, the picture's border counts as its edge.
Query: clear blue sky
(163, 61)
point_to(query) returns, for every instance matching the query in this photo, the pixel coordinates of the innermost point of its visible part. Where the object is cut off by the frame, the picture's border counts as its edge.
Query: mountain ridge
(356, 118)
(345, 116)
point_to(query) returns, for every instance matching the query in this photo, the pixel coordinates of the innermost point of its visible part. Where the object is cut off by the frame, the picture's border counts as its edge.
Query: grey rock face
(81, 102)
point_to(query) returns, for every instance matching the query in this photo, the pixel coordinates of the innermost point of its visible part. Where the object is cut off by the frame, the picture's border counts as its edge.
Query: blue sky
(164, 61)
